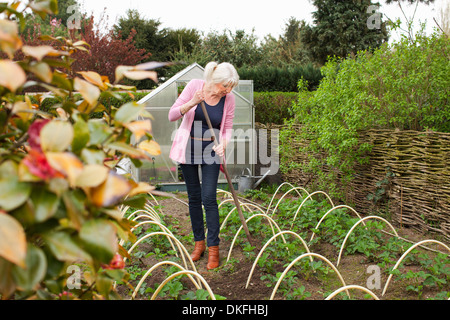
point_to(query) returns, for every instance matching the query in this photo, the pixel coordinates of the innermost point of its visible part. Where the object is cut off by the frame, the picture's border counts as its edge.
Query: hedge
(273, 107)
(267, 78)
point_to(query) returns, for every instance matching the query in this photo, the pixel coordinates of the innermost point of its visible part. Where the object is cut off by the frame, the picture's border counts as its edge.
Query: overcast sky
(263, 16)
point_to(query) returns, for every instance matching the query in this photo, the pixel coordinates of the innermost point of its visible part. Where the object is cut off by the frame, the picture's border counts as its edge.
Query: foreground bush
(59, 206)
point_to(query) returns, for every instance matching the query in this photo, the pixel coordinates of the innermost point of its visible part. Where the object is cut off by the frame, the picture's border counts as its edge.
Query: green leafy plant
(60, 198)
(402, 85)
(382, 187)
(271, 78)
(300, 293)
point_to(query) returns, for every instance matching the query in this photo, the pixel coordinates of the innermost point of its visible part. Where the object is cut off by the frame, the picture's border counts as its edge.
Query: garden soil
(229, 280)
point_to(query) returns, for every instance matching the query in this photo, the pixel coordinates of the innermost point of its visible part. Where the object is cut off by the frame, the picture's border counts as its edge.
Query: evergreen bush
(281, 79)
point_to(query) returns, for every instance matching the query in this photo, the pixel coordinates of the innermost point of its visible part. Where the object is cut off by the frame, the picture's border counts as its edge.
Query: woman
(193, 148)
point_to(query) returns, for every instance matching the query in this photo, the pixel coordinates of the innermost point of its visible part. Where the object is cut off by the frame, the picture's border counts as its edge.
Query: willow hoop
(232, 210)
(242, 204)
(145, 216)
(355, 225)
(293, 189)
(271, 221)
(180, 246)
(279, 187)
(151, 208)
(225, 192)
(301, 257)
(352, 287)
(157, 203)
(146, 212)
(197, 285)
(406, 253)
(123, 209)
(164, 228)
(329, 211)
(308, 197)
(176, 274)
(152, 211)
(225, 201)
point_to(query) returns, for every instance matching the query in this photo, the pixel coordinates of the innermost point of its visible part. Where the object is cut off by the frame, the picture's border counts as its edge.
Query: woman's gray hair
(223, 73)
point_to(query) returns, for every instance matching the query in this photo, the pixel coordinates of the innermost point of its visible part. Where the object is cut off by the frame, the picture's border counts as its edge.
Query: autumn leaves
(60, 192)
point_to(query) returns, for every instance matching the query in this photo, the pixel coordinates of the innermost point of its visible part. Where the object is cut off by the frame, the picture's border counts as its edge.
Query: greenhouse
(240, 156)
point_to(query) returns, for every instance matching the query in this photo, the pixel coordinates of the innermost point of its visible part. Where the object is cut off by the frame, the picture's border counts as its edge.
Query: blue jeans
(204, 192)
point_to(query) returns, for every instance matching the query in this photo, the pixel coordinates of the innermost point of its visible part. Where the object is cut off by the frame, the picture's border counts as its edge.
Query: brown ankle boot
(199, 250)
(213, 257)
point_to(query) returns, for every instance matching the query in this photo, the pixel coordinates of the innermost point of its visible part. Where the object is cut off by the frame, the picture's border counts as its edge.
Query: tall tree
(292, 30)
(161, 43)
(238, 48)
(181, 39)
(107, 51)
(294, 50)
(148, 35)
(66, 8)
(288, 49)
(342, 28)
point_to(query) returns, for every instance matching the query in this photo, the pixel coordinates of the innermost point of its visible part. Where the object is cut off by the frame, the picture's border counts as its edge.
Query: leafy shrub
(266, 78)
(105, 52)
(59, 205)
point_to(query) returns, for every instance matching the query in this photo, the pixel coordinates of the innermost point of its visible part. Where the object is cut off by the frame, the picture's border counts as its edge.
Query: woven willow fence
(411, 167)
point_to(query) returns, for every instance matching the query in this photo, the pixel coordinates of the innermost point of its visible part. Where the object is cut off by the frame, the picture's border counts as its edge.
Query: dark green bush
(267, 78)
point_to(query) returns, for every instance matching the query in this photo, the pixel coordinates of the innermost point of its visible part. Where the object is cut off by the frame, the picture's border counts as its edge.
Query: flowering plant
(60, 193)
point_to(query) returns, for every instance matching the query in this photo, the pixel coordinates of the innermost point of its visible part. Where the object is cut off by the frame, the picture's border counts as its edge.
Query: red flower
(66, 295)
(34, 132)
(38, 165)
(116, 263)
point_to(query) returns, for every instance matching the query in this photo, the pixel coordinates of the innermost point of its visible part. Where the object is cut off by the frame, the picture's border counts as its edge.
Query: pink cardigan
(178, 150)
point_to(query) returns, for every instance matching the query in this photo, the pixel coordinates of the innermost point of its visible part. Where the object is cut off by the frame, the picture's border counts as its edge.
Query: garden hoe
(225, 171)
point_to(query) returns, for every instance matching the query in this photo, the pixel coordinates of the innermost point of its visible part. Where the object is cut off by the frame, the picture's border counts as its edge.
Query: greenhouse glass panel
(240, 155)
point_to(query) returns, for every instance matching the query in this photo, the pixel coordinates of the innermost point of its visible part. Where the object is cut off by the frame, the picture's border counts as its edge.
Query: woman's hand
(219, 149)
(197, 98)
